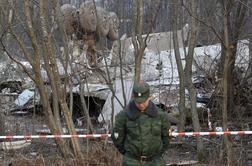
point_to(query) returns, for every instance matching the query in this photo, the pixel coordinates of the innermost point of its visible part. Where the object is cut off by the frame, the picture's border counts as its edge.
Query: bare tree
(6, 15)
(139, 42)
(232, 15)
(233, 21)
(185, 74)
(188, 74)
(50, 60)
(226, 86)
(231, 28)
(181, 104)
(43, 50)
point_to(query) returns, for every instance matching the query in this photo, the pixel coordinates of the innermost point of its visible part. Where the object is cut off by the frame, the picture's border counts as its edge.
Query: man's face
(143, 105)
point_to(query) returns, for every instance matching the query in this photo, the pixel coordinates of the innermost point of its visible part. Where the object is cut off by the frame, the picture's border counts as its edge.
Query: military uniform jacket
(139, 133)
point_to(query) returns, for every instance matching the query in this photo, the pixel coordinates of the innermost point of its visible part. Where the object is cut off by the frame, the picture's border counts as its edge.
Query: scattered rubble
(8, 145)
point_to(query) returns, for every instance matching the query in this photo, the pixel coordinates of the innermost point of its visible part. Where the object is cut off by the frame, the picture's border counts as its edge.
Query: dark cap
(141, 91)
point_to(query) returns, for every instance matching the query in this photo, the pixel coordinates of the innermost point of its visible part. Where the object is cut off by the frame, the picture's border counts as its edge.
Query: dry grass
(95, 153)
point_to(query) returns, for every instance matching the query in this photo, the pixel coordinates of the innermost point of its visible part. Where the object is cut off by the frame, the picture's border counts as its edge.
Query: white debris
(24, 97)
(118, 105)
(15, 144)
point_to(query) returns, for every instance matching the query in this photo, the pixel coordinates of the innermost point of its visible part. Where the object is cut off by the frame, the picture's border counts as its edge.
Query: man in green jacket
(141, 130)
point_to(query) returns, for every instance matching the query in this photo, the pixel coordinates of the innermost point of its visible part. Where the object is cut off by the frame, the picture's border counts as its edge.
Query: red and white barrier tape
(56, 136)
(109, 135)
(211, 133)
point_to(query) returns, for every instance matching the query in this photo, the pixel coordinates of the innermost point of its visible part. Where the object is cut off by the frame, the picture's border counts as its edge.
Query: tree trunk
(179, 66)
(232, 24)
(35, 63)
(85, 108)
(50, 54)
(137, 39)
(65, 151)
(226, 78)
(188, 71)
(10, 18)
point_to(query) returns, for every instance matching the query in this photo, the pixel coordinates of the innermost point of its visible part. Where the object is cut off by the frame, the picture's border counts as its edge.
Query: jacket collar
(133, 112)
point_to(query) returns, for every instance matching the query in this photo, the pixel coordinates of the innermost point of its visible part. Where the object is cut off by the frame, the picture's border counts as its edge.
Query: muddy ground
(101, 152)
